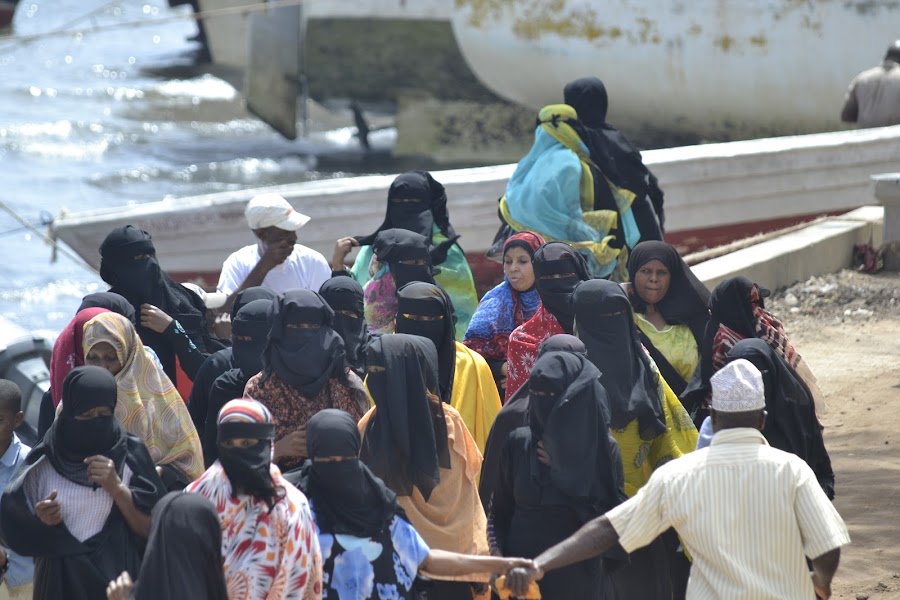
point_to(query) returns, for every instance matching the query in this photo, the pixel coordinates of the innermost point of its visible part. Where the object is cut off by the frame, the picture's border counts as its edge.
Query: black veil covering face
(184, 551)
(302, 348)
(685, 303)
(345, 297)
(605, 323)
(791, 422)
(568, 411)
(558, 269)
(616, 157)
(406, 254)
(128, 264)
(417, 202)
(248, 468)
(406, 441)
(347, 497)
(425, 309)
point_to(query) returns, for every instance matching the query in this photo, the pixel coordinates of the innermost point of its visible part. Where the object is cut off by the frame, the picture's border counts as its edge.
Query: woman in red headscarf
(510, 304)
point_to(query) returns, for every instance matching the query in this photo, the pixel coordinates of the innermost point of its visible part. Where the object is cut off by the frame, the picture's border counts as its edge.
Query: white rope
(197, 16)
(56, 247)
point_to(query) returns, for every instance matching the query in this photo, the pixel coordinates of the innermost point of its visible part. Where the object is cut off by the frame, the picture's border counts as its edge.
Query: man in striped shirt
(749, 514)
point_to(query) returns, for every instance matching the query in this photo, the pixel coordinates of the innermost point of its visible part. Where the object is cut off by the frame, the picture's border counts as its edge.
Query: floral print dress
(381, 568)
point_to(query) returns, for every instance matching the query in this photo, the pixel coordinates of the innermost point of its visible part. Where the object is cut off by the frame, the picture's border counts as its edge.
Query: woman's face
(651, 282)
(517, 268)
(103, 355)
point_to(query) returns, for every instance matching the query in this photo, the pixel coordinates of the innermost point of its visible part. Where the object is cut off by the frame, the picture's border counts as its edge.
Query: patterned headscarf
(148, 404)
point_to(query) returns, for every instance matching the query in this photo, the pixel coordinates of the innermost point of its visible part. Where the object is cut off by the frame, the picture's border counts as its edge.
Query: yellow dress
(641, 457)
(475, 395)
(675, 342)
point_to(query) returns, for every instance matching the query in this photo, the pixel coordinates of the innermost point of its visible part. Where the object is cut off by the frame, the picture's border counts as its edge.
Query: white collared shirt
(749, 515)
(304, 269)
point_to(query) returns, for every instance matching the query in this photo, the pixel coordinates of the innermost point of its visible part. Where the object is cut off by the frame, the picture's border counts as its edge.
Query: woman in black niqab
(346, 496)
(249, 330)
(425, 309)
(535, 504)
(405, 442)
(128, 264)
(616, 157)
(345, 297)
(65, 565)
(605, 324)
(417, 202)
(558, 269)
(184, 552)
(791, 422)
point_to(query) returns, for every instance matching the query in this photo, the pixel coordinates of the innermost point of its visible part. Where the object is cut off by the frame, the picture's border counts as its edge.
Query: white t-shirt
(303, 269)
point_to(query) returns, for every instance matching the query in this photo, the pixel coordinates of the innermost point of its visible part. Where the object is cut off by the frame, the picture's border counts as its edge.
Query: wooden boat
(715, 193)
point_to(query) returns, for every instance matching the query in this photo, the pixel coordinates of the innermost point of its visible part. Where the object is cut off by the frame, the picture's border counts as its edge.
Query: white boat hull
(713, 192)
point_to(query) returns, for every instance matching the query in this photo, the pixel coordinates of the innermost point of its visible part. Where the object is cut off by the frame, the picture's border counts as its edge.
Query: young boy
(18, 571)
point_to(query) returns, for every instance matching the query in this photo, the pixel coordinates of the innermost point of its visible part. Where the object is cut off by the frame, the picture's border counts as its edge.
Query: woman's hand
(291, 445)
(154, 318)
(119, 588)
(342, 248)
(102, 472)
(542, 455)
(49, 510)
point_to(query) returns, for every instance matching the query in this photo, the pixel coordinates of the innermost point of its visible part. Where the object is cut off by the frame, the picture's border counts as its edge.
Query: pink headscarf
(67, 351)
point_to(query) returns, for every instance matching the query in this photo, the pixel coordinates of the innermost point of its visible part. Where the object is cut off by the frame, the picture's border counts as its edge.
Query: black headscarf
(605, 324)
(616, 157)
(184, 551)
(251, 322)
(555, 258)
(141, 280)
(248, 295)
(684, 304)
(303, 358)
(110, 301)
(397, 248)
(730, 305)
(428, 209)
(346, 496)
(514, 415)
(568, 410)
(249, 468)
(70, 440)
(430, 301)
(791, 423)
(344, 293)
(406, 440)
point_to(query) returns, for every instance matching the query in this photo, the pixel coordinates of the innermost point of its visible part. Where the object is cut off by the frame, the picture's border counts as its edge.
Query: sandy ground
(857, 361)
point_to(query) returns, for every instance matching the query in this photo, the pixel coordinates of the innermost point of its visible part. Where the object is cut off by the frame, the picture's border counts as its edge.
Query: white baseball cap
(271, 210)
(738, 387)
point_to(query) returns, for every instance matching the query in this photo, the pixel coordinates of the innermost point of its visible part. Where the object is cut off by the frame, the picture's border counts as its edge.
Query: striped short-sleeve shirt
(749, 514)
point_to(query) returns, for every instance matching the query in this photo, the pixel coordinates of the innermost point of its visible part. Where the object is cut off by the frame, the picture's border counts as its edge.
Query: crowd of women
(351, 442)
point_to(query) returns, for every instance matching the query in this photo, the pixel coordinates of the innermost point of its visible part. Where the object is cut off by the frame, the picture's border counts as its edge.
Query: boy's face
(9, 421)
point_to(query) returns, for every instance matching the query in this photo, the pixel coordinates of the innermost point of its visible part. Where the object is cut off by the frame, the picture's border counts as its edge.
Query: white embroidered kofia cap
(738, 387)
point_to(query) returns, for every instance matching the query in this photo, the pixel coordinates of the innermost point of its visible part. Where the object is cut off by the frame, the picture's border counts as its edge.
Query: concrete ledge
(824, 247)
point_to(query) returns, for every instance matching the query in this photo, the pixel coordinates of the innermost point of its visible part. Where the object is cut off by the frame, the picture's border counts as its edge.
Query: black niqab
(248, 468)
(184, 551)
(398, 248)
(110, 301)
(616, 157)
(550, 261)
(304, 357)
(425, 205)
(346, 496)
(605, 323)
(70, 440)
(248, 295)
(250, 330)
(791, 423)
(343, 293)
(425, 309)
(406, 440)
(568, 411)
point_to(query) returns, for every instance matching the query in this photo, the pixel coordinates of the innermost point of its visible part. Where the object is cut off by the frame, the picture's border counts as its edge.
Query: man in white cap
(749, 514)
(276, 261)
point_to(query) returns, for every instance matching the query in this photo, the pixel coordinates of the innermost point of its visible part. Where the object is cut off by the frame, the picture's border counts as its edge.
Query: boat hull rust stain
(714, 69)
